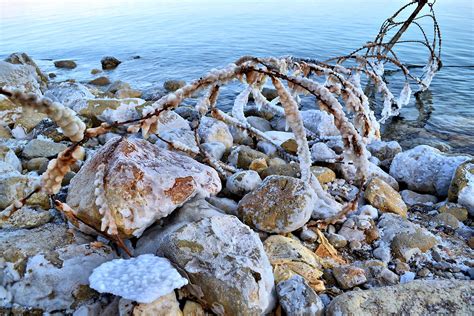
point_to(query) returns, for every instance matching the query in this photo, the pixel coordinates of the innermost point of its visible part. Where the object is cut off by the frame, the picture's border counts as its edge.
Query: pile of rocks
(247, 244)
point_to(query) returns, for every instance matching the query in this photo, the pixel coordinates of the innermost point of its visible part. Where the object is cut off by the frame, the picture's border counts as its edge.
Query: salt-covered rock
(462, 186)
(350, 174)
(279, 205)
(71, 94)
(242, 156)
(349, 276)
(22, 77)
(415, 298)
(226, 265)
(319, 122)
(296, 297)
(240, 183)
(384, 151)
(131, 183)
(166, 305)
(212, 130)
(259, 123)
(384, 197)
(24, 59)
(106, 108)
(291, 169)
(118, 85)
(459, 211)
(323, 174)
(228, 206)
(215, 149)
(322, 153)
(412, 198)
(142, 279)
(15, 186)
(289, 257)
(426, 169)
(8, 156)
(360, 228)
(43, 270)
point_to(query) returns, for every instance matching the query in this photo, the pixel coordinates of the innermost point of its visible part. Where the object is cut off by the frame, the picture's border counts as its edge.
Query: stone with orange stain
(141, 184)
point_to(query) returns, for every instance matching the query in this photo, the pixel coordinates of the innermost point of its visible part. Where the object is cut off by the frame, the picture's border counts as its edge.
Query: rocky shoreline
(251, 243)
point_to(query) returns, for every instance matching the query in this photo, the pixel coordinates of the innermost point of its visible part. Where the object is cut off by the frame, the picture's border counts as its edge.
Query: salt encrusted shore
(247, 244)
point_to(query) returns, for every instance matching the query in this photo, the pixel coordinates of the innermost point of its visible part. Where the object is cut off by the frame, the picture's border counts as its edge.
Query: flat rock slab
(415, 298)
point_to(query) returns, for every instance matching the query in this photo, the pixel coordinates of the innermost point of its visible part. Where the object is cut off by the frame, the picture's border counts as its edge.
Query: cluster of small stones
(258, 241)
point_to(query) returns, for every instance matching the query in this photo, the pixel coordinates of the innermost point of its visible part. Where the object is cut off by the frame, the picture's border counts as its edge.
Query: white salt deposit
(142, 279)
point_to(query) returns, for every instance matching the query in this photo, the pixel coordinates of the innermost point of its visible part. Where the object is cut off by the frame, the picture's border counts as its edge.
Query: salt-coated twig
(71, 125)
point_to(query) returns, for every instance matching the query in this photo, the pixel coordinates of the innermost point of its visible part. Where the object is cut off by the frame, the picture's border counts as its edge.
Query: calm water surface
(184, 39)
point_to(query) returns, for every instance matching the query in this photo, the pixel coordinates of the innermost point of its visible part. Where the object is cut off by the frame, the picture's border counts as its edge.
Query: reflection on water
(184, 39)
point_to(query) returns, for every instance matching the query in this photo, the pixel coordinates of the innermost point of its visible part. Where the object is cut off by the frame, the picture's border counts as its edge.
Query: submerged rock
(280, 205)
(431, 297)
(227, 267)
(68, 64)
(109, 63)
(132, 183)
(100, 81)
(426, 169)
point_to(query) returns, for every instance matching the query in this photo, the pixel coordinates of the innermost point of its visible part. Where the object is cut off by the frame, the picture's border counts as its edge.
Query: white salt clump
(142, 279)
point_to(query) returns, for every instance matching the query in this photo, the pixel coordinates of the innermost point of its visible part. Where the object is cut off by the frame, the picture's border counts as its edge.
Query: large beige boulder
(131, 183)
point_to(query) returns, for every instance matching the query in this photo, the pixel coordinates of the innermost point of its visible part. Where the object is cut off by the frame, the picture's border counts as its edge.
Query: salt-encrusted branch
(108, 223)
(57, 168)
(71, 125)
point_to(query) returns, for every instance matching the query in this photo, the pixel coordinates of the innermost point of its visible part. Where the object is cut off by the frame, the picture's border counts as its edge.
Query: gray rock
(8, 156)
(428, 297)
(338, 241)
(240, 183)
(226, 264)
(426, 169)
(287, 170)
(42, 148)
(228, 206)
(280, 205)
(296, 297)
(67, 64)
(446, 219)
(109, 63)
